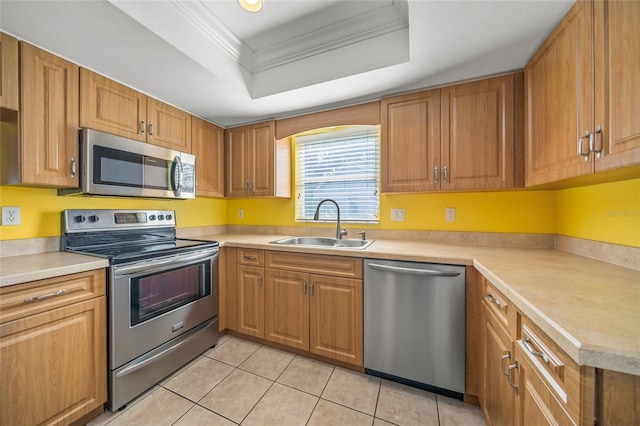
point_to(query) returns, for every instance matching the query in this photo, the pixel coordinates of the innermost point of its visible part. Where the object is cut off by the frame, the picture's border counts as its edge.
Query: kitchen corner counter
(588, 307)
(32, 267)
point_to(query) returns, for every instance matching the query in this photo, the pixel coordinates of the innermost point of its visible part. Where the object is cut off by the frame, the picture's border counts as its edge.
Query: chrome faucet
(339, 232)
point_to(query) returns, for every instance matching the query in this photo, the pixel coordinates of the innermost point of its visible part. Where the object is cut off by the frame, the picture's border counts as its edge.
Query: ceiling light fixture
(251, 5)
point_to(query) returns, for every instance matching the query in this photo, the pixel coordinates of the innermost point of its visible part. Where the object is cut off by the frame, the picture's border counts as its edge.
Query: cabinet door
(207, 145)
(478, 134)
(617, 82)
(336, 318)
(55, 365)
(536, 405)
(261, 161)
(410, 142)
(49, 119)
(111, 107)
(498, 398)
(168, 126)
(287, 308)
(8, 72)
(250, 300)
(236, 146)
(559, 101)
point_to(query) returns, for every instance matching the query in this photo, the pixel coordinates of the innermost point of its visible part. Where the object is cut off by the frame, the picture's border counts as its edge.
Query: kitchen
(562, 214)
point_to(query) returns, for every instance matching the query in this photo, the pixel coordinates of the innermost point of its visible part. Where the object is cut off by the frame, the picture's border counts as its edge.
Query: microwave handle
(177, 186)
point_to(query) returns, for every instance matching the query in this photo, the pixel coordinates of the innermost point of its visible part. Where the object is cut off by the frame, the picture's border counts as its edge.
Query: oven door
(154, 301)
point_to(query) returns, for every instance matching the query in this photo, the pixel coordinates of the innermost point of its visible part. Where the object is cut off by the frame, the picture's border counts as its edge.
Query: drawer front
(22, 300)
(561, 375)
(250, 257)
(338, 266)
(497, 303)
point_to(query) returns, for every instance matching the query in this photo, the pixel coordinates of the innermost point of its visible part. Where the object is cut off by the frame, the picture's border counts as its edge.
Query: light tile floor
(241, 382)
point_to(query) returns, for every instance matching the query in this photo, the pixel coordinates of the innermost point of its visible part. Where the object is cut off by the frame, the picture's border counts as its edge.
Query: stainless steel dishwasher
(414, 324)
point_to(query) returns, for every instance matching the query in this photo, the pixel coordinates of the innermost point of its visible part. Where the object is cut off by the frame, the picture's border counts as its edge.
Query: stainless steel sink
(323, 242)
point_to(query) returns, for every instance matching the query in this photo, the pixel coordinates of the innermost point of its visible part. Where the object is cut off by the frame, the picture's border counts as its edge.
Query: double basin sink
(322, 242)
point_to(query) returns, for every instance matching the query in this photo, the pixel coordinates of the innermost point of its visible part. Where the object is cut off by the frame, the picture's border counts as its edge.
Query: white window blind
(343, 165)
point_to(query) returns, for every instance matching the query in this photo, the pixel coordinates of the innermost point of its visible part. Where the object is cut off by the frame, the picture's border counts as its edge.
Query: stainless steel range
(162, 293)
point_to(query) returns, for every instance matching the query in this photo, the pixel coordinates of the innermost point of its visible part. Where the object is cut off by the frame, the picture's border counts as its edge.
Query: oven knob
(168, 217)
(80, 219)
(93, 218)
(160, 217)
(152, 217)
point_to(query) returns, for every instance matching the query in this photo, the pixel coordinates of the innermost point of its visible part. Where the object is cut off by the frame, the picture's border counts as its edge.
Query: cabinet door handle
(249, 257)
(304, 287)
(259, 280)
(587, 135)
(251, 185)
(150, 129)
(510, 376)
(45, 296)
(73, 167)
(445, 172)
(435, 174)
(312, 288)
(592, 142)
(496, 302)
(143, 126)
(502, 359)
(527, 345)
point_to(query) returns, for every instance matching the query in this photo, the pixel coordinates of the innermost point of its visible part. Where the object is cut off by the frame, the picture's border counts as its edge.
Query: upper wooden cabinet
(111, 107)
(462, 137)
(479, 134)
(257, 164)
(48, 142)
(207, 144)
(9, 97)
(582, 91)
(410, 142)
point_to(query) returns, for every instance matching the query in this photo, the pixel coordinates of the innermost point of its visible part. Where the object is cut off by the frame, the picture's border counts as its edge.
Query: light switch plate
(397, 215)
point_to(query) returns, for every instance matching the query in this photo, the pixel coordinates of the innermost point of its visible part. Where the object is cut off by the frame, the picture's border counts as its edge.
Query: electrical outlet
(397, 215)
(10, 216)
(450, 214)
(240, 213)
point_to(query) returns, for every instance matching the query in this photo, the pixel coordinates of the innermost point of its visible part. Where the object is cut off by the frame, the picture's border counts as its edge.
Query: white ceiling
(229, 66)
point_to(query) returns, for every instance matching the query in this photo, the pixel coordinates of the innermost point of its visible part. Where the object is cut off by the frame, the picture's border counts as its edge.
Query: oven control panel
(93, 220)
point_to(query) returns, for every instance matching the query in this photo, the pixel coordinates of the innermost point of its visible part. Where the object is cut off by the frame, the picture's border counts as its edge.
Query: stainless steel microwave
(117, 166)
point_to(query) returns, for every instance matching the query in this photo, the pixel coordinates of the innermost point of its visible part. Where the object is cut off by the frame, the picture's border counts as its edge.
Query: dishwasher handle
(413, 271)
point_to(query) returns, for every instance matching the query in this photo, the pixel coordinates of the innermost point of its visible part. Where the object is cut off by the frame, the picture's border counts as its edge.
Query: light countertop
(591, 309)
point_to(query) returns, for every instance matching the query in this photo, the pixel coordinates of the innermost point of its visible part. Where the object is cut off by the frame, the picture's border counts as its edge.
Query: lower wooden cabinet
(250, 300)
(54, 368)
(308, 302)
(526, 378)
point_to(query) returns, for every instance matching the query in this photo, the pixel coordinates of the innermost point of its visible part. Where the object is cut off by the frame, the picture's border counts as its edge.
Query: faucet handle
(363, 234)
(343, 232)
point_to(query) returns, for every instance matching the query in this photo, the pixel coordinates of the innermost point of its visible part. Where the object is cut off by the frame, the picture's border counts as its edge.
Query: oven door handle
(159, 265)
(144, 363)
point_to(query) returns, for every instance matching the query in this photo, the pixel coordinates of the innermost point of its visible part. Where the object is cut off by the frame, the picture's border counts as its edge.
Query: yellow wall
(508, 211)
(40, 210)
(608, 212)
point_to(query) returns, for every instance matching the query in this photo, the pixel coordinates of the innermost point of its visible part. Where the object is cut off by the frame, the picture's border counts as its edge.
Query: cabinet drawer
(338, 266)
(22, 300)
(561, 375)
(497, 303)
(250, 257)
